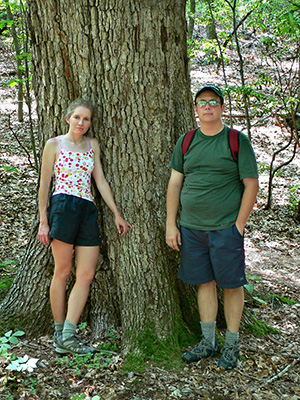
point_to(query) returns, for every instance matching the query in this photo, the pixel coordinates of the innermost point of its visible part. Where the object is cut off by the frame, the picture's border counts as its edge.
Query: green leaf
(3, 23)
(4, 348)
(260, 300)
(5, 263)
(249, 288)
(12, 84)
(13, 340)
(19, 333)
(256, 278)
(10, 169)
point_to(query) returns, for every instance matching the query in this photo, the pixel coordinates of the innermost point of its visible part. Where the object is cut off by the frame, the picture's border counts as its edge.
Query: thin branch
(287, 162)
(279, 375)
(237, 27)
(19, 142)
(222, 61)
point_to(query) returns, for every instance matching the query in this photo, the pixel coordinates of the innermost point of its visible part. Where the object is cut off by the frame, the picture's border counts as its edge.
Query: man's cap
(210, 87)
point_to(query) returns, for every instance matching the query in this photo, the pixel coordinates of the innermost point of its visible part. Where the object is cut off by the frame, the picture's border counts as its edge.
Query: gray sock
(208, 331)
(231, 337)
(58, 326)
(69, 330)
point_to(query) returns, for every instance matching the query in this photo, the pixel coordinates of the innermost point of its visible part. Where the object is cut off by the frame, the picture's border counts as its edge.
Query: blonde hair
(80, 103)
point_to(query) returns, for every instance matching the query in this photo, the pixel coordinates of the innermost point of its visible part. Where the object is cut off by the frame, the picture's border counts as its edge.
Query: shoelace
(229, 351)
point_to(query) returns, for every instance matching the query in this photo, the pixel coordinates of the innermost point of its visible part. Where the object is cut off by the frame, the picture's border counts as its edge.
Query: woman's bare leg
(63, 254)
(87, 259)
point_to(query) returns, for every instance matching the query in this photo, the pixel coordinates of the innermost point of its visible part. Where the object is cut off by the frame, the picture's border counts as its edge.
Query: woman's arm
(105, 191)
(48, 160)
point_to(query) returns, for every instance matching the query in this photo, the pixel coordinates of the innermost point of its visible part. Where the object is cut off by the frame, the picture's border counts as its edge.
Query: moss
(14, 323)
(31, 323)
(5, 285)
(259, 328)
(219, 338)
(148, 348)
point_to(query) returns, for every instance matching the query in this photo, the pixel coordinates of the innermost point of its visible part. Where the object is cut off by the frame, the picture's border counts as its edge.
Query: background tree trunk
(130, 58)
(191, 18)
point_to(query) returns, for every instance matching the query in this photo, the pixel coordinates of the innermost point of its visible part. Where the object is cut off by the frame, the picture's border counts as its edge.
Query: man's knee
(208, 285)
(234, 291)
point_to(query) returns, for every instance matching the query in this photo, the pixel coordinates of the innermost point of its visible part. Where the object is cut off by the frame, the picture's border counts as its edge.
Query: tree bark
(130, 58)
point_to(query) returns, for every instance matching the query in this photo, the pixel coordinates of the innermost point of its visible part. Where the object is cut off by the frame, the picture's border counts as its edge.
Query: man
(217, 196)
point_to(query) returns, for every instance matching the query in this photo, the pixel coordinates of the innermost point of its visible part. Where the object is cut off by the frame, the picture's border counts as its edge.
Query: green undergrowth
(107, 349)
(273, 299)
(282, 299)
(6, 279)
(259, 328)
(79, 365)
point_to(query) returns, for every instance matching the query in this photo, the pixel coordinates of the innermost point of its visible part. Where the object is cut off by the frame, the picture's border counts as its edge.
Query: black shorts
(208, 256)
(74, 220)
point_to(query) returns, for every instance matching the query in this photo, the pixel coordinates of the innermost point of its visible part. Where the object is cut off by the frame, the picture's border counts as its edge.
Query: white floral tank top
(72, 172)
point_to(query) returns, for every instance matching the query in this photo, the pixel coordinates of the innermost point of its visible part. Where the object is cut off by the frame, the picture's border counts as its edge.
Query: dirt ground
(269, 366)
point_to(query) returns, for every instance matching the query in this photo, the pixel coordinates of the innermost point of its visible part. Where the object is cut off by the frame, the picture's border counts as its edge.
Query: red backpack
(233, 140)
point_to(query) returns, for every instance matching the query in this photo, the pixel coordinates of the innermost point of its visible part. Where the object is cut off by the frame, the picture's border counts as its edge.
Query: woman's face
(80, 120)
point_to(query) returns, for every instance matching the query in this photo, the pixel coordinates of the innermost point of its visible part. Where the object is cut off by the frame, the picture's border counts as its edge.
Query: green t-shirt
(212, 188)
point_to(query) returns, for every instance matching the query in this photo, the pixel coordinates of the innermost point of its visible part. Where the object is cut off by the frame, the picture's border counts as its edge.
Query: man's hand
(173, 238)
(240, 228)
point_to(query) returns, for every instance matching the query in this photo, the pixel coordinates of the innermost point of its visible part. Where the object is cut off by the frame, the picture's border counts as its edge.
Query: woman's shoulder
(52, 144)
(94, 144)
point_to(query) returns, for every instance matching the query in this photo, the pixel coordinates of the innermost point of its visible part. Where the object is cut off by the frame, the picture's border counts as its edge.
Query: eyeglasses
(211, 103)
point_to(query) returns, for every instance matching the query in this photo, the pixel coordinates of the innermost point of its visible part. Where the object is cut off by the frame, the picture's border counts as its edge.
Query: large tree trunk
(130, 57)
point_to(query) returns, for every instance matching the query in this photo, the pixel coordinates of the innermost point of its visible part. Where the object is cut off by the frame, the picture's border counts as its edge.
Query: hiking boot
(230, 355)
(55, 338)
(72, 345)
(204, 349)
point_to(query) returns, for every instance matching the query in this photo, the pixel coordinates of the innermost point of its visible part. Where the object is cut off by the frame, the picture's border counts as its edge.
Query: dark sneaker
(230, 355)
(204, 349)
(72, 345)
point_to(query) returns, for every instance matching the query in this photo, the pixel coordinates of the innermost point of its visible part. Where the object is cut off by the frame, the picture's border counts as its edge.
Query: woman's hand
(122, 226)
(43, 234)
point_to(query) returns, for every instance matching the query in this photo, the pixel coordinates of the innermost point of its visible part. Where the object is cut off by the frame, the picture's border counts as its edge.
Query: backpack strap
(233, 138)
(188, 137)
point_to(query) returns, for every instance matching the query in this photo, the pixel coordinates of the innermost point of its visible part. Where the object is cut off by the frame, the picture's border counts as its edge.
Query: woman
(72, 220)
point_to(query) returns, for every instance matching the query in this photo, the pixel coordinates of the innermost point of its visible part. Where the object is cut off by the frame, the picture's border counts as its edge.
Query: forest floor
(269, 367)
